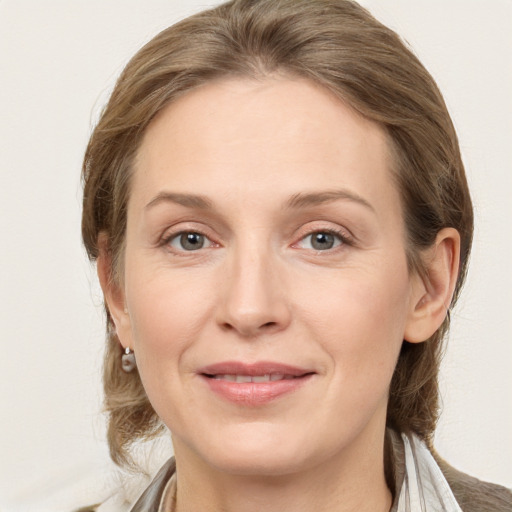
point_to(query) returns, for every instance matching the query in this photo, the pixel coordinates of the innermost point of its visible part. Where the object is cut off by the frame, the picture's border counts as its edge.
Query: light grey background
(58, 61)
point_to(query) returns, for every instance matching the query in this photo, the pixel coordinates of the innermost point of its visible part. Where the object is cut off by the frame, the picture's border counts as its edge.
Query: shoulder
(474, 495)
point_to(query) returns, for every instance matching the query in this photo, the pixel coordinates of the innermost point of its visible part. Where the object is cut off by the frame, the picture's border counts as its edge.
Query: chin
(261, 463)
(246, 454)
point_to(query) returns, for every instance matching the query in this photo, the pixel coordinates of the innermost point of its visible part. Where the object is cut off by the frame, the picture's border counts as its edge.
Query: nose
(254, 297)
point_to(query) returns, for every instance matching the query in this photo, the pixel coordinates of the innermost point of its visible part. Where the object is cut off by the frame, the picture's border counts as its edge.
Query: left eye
(189, 241)
(321, 241)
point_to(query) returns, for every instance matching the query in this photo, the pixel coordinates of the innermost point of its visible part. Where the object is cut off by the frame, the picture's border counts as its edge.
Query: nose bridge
(254, 299)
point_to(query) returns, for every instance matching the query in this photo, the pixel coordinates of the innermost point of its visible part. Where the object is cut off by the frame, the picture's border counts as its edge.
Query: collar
(424, 487)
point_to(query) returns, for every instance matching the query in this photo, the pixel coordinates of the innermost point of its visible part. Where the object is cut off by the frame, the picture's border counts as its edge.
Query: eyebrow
(295, 202)
(187, 200)
(303, 200)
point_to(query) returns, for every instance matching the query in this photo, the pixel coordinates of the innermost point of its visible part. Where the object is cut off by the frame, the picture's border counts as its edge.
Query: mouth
(254, 384)
(268, 377)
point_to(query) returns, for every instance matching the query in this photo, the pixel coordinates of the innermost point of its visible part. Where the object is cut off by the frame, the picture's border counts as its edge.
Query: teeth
(272, 377)
(261, 378)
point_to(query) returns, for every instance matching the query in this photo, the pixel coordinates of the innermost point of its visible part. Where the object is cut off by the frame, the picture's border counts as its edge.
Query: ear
(113, 293)
(432, 293)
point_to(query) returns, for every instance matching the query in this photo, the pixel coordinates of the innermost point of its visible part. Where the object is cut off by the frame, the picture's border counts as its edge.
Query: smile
(273, 377)
(253, 384)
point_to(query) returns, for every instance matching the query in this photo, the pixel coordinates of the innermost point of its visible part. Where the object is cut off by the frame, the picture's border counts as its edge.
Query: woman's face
(266, 285)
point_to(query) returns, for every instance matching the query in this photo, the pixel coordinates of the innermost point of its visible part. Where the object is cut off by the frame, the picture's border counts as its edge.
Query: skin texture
(259, 289)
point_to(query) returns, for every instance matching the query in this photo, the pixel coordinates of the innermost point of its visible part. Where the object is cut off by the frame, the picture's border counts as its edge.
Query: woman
(277, 205)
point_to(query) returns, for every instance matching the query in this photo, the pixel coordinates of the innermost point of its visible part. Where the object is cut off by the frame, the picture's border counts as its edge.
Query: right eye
(189, 241)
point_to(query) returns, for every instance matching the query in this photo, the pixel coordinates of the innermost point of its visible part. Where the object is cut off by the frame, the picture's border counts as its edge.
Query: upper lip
(253, 369)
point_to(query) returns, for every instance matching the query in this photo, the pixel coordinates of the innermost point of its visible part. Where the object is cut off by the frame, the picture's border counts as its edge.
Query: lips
(267, 377)
(253, 369)
(253, 384)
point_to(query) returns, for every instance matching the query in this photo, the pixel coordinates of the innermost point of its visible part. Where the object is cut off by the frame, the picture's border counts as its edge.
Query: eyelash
(343, 238)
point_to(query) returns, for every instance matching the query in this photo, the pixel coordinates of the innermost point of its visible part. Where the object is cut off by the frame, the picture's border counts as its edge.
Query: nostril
(226, 326)
(249, 329)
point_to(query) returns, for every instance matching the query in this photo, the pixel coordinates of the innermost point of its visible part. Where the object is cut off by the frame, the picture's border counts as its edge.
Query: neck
(348, 482)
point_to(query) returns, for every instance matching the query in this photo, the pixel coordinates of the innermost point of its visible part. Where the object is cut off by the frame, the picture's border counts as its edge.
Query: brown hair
(335, 43)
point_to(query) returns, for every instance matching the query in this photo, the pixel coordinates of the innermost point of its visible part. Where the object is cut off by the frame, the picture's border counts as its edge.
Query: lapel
(150, 499)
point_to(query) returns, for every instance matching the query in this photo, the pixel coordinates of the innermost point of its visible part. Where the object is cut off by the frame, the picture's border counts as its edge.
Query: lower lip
(255, 393)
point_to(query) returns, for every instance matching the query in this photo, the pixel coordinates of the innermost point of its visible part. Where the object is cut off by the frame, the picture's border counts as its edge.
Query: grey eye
(188, 241)
(321, 241)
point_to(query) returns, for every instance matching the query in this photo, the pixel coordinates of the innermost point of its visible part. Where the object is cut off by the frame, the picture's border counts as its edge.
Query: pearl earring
(128, 362)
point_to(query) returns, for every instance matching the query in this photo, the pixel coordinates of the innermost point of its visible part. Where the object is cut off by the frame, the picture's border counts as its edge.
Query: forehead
(241, 134)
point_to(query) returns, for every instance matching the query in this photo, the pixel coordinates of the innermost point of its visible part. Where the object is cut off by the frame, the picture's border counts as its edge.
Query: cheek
(168, 312)
(165, 320)
(360, 321)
